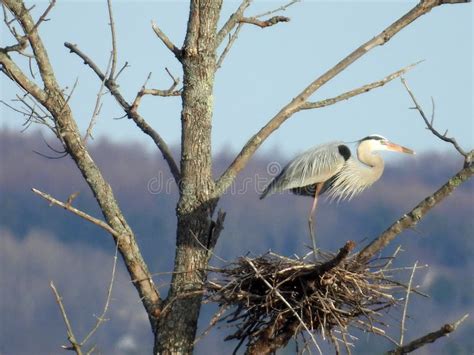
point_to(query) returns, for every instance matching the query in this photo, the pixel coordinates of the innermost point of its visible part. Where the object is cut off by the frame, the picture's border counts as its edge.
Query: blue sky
(267, 67)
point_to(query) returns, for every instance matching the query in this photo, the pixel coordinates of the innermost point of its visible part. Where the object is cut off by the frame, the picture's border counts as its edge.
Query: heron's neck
(369, 158)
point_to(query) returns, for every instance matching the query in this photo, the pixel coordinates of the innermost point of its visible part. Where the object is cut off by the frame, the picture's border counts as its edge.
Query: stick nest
(271, 299)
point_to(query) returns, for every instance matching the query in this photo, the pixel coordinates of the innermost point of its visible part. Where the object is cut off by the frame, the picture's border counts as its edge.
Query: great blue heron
(332, 168)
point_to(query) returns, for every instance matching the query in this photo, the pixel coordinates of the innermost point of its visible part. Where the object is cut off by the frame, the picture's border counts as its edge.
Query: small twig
(394, 255)
(166, 41)
(43, 16)
(74, 49)
(263, 24)
(361, 90)
(70, 94)
(98, 104)
(279, 295)
(405, 307)
(232, 22)
(212, 323)
(70, 334)
(114, 41)
(101, 319)
(71, 198)
(155, 92)
(227, 48)
(77, 212)
(428, 338)
(429, 124)
(133, 114)
(281, 8)
(121, 70)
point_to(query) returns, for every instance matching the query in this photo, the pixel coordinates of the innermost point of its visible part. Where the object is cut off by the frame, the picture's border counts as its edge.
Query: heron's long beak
(398, 148)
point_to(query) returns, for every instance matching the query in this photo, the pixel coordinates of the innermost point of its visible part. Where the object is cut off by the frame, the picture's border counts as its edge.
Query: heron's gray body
(333, 169)
(343, 176)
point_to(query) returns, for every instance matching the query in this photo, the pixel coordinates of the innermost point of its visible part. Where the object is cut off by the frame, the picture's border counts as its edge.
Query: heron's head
(376, 142)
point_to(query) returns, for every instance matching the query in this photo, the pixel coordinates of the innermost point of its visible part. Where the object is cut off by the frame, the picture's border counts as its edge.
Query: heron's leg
(318, 187)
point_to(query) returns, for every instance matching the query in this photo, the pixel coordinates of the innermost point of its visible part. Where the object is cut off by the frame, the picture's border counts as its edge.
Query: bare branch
(101, 319)
(133, 114)
(405, 307)
(156, 92)
(70, 334)
(98, 101)
(232, 22)
(166, 41)
(410, 219)
(18, 47)
(212, 323)
(12, 71)
(114, 41)
(227, 48)
(429, 124)
(87, 217)
(281, 8)
(295, 104)
(361, 90)
(121, 70)
(87, 61)
(263, 24)
(428, 338)
(53, 99)
(44, 14)
(238, 18)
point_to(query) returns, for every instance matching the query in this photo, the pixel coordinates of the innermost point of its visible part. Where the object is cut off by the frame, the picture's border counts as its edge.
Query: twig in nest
(405, 307)
(272, 299)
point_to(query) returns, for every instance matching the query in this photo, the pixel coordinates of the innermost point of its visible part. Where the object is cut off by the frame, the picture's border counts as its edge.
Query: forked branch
(232, 22)
(156, 92)
(296, 104)
(53, 99)
(76, 345)
(361, 90)
(238, 18)
(77, 212)
(70, 333)
(131, 113)
(429, 123)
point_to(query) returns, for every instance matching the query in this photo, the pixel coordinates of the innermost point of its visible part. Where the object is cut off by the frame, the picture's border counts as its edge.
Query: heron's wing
(317, 164)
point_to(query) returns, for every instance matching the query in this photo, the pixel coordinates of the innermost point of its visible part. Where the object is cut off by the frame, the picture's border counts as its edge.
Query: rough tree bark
(174, 319)
(178, 323)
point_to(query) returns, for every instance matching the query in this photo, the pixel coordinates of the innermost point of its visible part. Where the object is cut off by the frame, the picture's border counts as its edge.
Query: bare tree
(173, 317)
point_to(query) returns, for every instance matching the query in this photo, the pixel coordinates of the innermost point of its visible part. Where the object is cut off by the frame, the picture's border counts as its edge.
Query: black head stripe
(373, 137)
(344, 151)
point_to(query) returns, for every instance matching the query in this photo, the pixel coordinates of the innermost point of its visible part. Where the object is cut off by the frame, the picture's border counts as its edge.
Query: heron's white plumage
(341, 174)
(353, 179)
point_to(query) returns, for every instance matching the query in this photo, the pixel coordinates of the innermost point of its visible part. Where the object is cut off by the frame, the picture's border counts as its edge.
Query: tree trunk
(177, 325)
